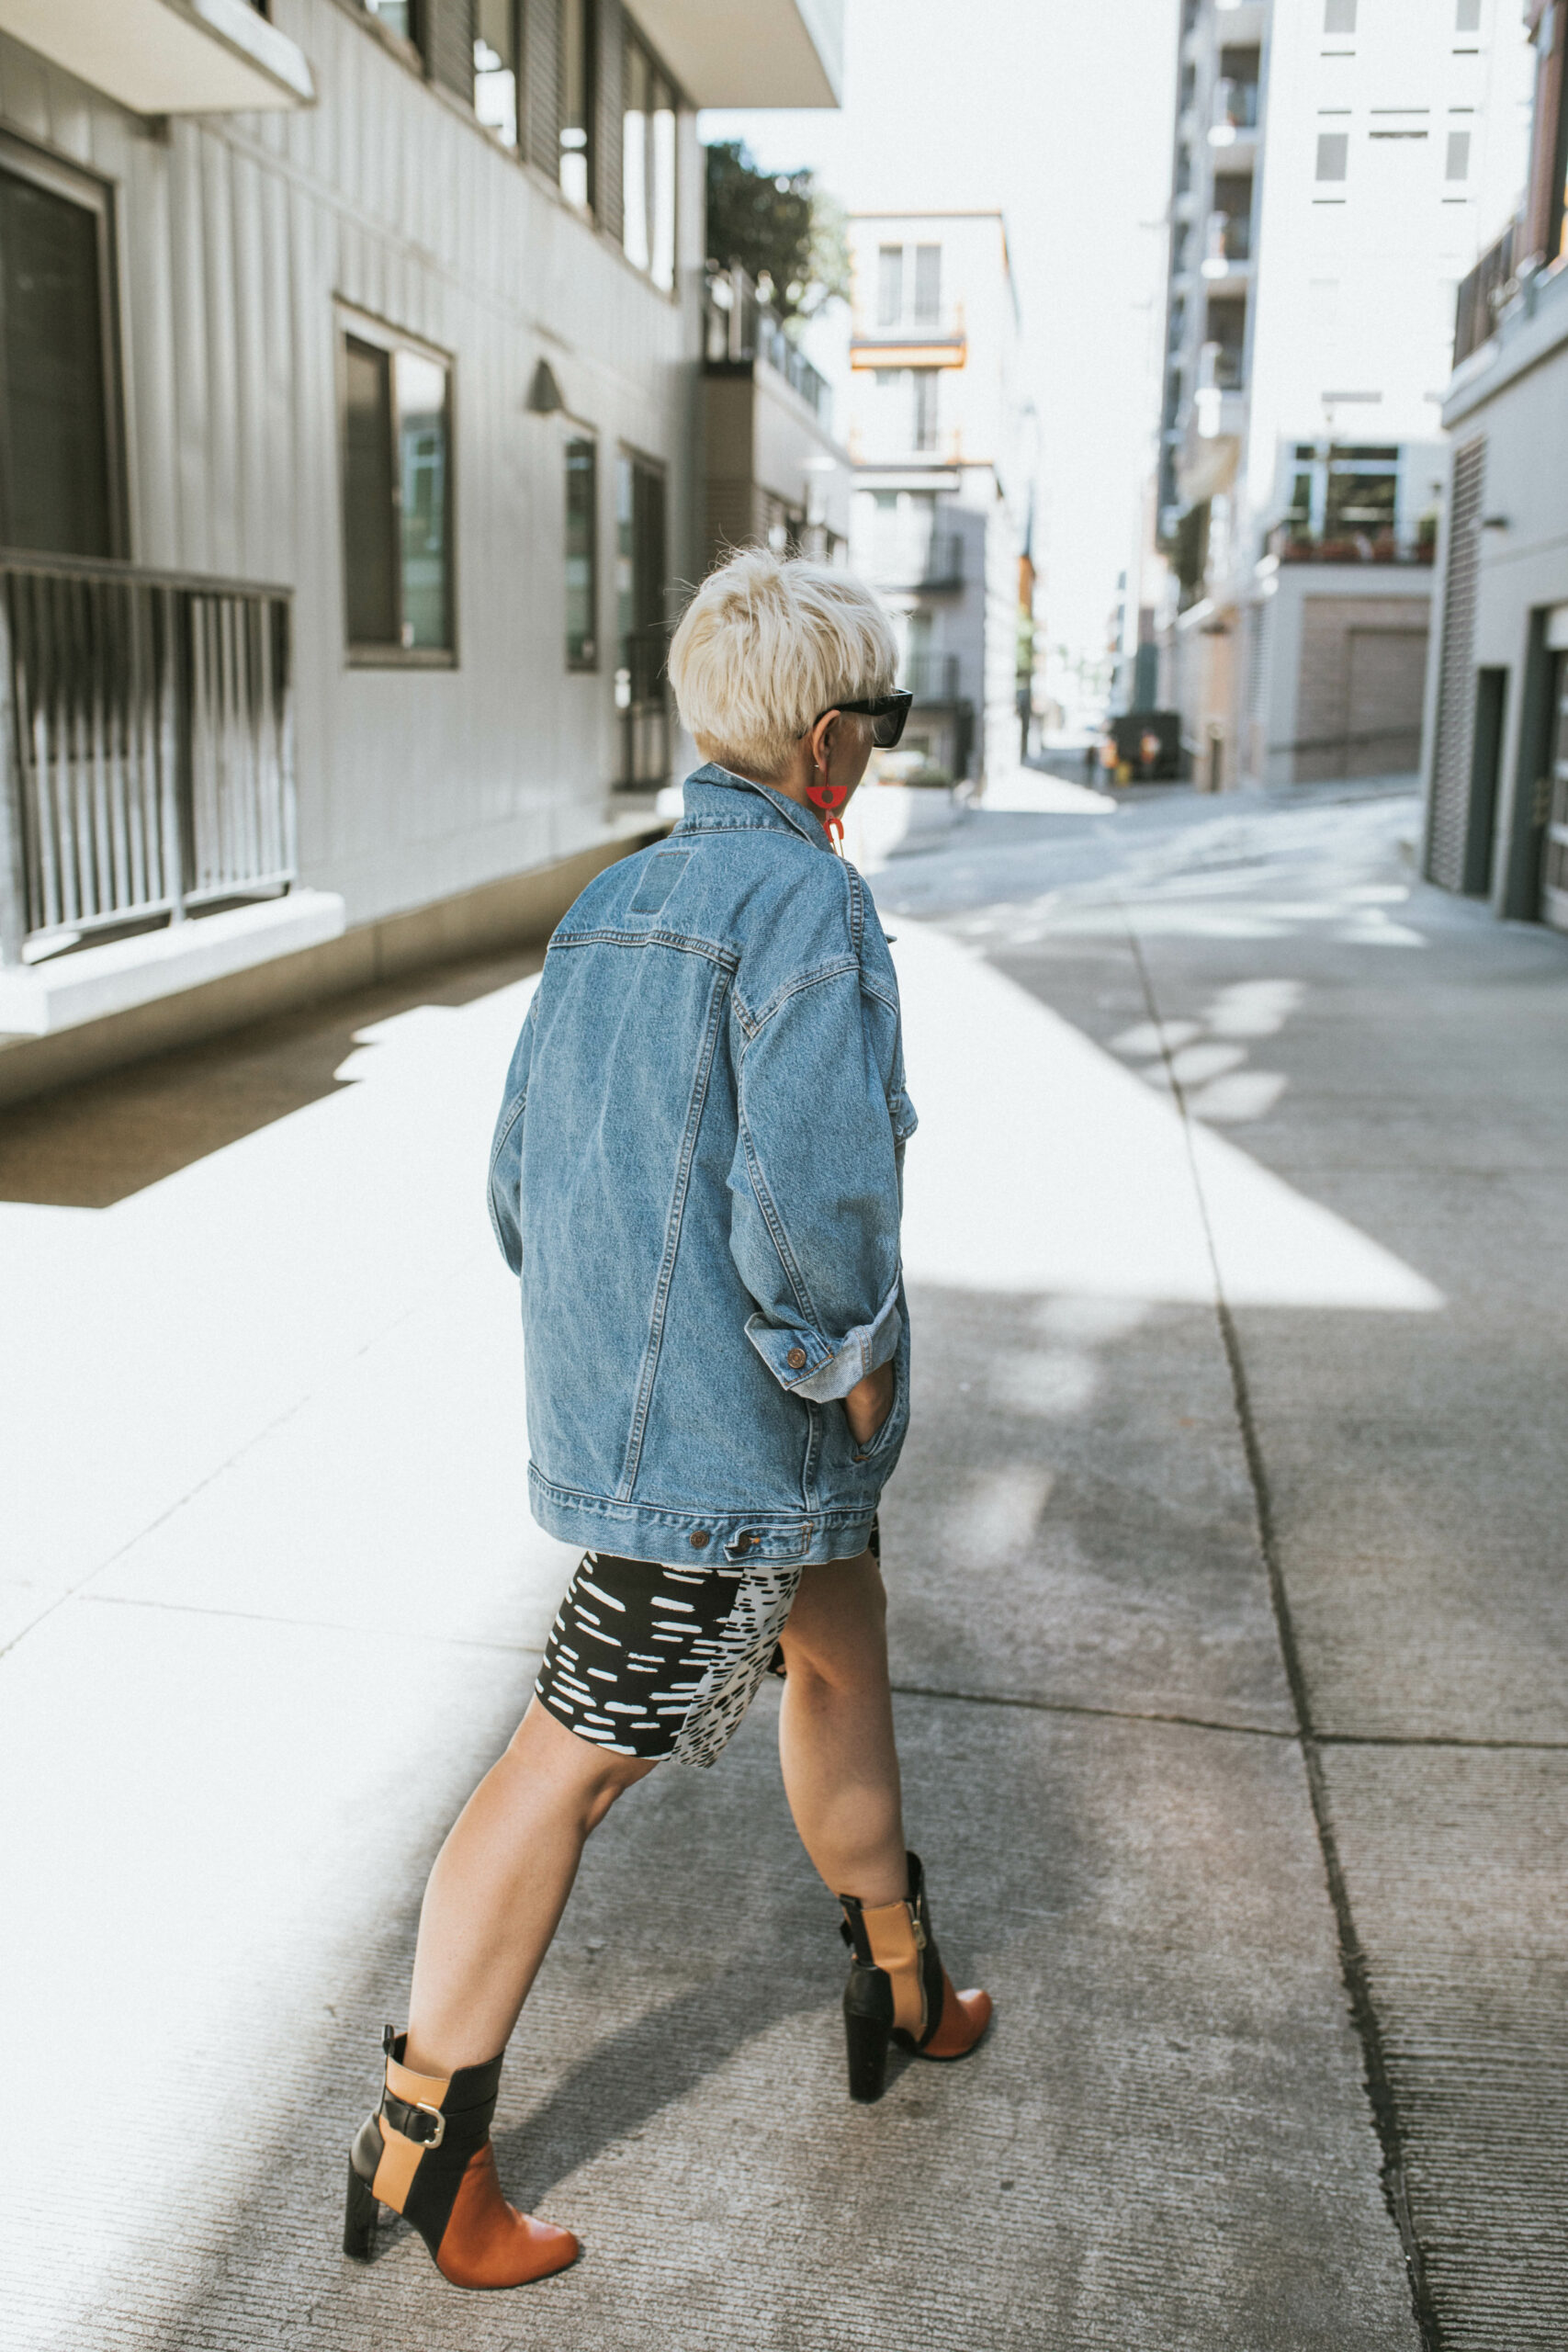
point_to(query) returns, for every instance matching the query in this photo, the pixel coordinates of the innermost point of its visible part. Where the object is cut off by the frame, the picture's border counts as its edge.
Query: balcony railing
(932, 677)
(147, 748)
(1293, 545)
(738, 325)
(1480, 295)
(933, 561)
(1235, 108)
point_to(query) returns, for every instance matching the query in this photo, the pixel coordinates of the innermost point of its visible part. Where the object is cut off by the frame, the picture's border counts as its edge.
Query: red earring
(830, 799)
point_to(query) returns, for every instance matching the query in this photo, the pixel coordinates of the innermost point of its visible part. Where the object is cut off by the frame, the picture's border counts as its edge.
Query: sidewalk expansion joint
(308, 1624)
(1352, 1954)
(1084, 1707)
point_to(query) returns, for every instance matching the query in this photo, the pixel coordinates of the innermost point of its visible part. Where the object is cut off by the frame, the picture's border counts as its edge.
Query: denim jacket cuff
(827, 1368)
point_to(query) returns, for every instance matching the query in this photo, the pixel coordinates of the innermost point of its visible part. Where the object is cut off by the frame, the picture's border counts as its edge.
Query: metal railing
(932, 677)
(1480, 295)
(935, 560)
(147, 748)
(737, 324)
(1402, 546)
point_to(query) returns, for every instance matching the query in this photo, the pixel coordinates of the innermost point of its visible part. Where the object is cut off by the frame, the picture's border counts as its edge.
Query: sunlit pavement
(1234, 1235)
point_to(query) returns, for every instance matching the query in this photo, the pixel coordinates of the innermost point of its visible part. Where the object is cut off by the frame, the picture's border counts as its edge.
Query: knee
(601, 1792)
(583, 1780)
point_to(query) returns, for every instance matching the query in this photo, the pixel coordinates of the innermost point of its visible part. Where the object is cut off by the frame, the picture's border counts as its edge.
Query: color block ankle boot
(899, 1991)
(426, 2153)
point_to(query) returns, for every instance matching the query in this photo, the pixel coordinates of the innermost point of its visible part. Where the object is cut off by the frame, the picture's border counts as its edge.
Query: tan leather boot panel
(400, 2162)
(890, 1932)
(419, 2090)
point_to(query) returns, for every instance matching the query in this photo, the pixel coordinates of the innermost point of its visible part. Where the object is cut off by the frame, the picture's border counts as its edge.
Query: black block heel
(867, 2038)
(359, 2219)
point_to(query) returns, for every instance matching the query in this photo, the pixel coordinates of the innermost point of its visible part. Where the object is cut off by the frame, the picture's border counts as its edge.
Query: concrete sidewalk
(275, 1601)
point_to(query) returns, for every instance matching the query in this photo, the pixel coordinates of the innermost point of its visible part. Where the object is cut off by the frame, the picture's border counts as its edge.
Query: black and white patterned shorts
(654, 1661)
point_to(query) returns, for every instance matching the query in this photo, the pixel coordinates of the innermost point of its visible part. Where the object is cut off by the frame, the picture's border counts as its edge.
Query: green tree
(780, 226)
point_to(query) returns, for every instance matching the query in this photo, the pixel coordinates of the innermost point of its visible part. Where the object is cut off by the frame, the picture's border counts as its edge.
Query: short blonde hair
(765, 646)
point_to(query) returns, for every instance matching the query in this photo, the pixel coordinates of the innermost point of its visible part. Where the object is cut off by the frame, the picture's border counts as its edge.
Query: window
(924, 421)
(581, 555)
(397, 498)
(647, 164)
(1333, 154)
(1458, 168)
(1339, 15)
(1233, 197)
(928, 285)
(579, 89)
(1362, 492)
(59, 442)
(1467, 17)
(498, 50)
(396, 15)
(889, 286)
(1239, 76)
(1226, 329)
(1346, 495)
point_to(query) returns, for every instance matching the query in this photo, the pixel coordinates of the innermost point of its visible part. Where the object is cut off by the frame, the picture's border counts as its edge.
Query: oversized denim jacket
(697, 1174)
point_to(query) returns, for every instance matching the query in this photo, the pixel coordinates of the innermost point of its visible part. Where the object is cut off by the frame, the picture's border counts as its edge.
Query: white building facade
(346, 473)
(1497, 736)
(1338, 163)
(939, 434)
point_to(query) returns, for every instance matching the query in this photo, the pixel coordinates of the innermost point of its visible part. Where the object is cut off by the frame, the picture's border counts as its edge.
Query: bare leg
(499, 1887)
(840, 1766)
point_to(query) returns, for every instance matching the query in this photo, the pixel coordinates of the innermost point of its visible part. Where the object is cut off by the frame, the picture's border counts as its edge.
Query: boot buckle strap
(416, 2119)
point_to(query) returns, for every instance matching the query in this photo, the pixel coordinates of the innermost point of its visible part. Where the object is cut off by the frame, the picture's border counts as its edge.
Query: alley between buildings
(1228, 1628)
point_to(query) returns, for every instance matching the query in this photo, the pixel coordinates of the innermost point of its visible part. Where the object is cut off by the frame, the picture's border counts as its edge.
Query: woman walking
(696, 1173)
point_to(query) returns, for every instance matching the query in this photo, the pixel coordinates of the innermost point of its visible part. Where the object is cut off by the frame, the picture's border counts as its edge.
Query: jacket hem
(644, 1532)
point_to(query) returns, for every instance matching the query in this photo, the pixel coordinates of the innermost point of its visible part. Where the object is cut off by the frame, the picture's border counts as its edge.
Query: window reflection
(497, 53)
(577, 83)
(647, 164)
(422, 455)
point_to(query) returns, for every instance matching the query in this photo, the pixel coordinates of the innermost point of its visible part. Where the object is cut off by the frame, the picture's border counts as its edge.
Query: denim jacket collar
(705, 811)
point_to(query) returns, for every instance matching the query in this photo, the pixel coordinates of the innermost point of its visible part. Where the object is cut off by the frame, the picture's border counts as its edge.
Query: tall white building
(940, 435)
(1338, 165)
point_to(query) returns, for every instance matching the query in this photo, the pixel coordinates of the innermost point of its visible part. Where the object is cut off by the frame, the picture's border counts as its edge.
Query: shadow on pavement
(93, 1145)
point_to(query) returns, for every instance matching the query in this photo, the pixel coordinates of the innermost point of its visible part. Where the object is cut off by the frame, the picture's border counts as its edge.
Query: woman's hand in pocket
(869, 1403)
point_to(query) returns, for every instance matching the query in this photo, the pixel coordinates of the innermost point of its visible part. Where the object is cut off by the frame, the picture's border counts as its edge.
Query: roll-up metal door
(1450, 823)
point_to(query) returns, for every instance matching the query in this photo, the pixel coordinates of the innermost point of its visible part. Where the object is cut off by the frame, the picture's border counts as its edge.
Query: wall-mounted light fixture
(544, 393)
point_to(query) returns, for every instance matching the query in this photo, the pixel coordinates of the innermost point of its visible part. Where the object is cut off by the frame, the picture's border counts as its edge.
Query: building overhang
(157, 57)
(934, 351)
(750, 53)
(937, 477)
(1206, 467)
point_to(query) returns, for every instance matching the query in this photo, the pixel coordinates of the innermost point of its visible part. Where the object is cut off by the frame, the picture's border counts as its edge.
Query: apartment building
(1496, 735)
(939, 434)
(351, 361)
(1338, 165)
(772, 473)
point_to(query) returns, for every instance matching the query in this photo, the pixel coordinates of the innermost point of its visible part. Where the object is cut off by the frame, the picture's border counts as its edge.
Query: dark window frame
(646, 714)
(584, 661)
(360, 326)
(94, 195)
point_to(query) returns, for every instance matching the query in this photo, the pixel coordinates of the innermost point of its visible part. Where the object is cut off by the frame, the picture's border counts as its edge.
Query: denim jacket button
(795, 1358)
(699, 1538)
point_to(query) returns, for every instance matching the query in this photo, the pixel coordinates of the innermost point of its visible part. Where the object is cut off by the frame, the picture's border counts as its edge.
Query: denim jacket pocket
(896, 1426)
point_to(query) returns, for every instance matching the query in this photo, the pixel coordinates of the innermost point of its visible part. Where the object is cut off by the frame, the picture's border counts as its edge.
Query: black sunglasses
(886, 712)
